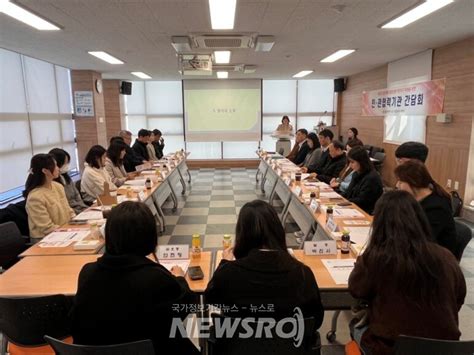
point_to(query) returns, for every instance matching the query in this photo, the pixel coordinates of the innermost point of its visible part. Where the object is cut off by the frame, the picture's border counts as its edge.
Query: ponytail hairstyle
(36, 177)
(415, 174)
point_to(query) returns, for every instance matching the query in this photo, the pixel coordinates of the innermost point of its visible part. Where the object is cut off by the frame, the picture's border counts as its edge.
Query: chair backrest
(464, 236)
(11, 244)
(368, 148)
(142, 347)
(407, 345)
(380, 156)
(16, 212)
(376, 150)
(456, 203)
(311, 343)
(25, 321)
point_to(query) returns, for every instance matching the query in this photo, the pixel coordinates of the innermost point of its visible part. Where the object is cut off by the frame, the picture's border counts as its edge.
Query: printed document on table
(359, 235)
(87, 215)
(347, 213)
(62, 239)
(183, 264)
(330, 195)
(339, 269)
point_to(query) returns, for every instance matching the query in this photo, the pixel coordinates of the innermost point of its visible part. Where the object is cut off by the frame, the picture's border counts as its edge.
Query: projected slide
(222, 110)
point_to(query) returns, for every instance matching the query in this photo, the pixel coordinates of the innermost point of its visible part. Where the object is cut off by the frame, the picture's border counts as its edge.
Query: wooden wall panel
(89, 130)
(449, 143)
(112, 105)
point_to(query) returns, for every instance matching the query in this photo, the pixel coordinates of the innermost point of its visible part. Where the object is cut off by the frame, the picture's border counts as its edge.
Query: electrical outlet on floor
(448, 184)
(456, 185)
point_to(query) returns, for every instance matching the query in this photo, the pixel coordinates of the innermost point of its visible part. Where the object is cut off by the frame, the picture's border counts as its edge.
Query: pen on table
(72, 236)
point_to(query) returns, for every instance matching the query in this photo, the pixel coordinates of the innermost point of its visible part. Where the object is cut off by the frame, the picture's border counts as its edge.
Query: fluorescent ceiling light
(222, 57)
(222, 14)
(302, 73)
(222, 75)
(106, 57)
(337, 55)
(141, 75)
(416, 13)
(26, 16)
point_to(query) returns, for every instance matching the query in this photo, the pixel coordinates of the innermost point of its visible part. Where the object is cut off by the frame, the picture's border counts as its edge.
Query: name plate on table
(141, 196)
(320, 247)
(331, 225)
(287, 181)
(178, 251)
(297, 191)
(314, 206)
(163, 174)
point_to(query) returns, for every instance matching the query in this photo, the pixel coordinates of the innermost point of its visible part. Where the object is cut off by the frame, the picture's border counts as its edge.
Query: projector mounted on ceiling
(195, 64)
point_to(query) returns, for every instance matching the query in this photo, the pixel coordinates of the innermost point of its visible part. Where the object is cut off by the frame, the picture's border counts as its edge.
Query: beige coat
(47, 209)
(92, 182)
(117, 174)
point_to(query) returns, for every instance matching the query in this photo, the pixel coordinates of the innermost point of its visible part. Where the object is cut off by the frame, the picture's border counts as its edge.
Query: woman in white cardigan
(95, 175)
(114, 163)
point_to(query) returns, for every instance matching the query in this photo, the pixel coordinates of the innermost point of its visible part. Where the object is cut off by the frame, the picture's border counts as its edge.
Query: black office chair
(406, 345)
(376, 150)
(12, 244)
(235, 345)
(16, 212)
(142, 347)
(368, 148)
(25, 321)
(464, 236)
(379, 157)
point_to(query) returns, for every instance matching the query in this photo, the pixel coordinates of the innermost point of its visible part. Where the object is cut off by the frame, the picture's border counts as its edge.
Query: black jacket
(129, 298)
(332, 168)
(141, 150)
(266, 278)
(158, 149)
(317, 167)
(443, 230)
(364, 190)
(301, 154)
(131, 160)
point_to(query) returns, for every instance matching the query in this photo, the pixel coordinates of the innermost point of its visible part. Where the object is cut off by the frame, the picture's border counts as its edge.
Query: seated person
(314, 152)
(46, 202)
(342, 182)
(325, 139)
(412, 286)
(334, 165)
(131, 160)
(414, 177)
(125, 296)
(140, 145)
(352, 134)
(73, 195)
(300, 149)
(158, 143)
(94, 175)
(114, 164)
(366, 186)
(151, 148)
(411, 150)
(263, 271)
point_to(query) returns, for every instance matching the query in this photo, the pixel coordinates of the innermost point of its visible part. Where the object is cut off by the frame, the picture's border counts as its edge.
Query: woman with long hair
(114, 163)
(73, 195)
(366, 185)
(263, 271)
(342, 182)
(314, 152)
(414, 177)
(94, 176)
(46, 202)
(413, 286)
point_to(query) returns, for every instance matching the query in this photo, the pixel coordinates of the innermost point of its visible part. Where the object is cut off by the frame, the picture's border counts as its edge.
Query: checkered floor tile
(211, 206)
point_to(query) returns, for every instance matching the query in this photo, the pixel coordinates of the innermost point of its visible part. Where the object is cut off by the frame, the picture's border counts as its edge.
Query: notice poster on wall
(84, 103)
(422, 99)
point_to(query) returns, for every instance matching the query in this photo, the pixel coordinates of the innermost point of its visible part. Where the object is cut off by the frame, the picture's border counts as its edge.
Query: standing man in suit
(301, 148)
